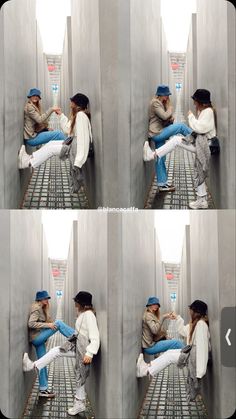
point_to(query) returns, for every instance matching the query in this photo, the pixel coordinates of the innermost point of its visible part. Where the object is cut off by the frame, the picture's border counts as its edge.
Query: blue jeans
(45, 137)
(160, 139)
(164, 345)
(39, 344)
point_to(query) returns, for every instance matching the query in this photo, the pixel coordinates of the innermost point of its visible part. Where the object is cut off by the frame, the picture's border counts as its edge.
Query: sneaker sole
(167, 190)
(47, 396)
(20, 154)
(140, 359)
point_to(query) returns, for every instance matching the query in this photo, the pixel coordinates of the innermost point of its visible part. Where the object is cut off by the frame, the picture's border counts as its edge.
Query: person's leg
(53, 148)
(50, 356)
(45, 137)
(64, 329)
(43, 375)
(170, 145)
(164, 345)
(201, 202)
(160, 166)
(163, 361)
(174, 129)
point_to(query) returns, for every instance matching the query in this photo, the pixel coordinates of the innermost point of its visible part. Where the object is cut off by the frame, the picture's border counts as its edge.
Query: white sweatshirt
(86, 325)
(204, 124)
(83, 134)
(201, 340)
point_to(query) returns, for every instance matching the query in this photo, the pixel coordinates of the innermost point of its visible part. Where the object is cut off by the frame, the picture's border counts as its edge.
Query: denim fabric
(164, 345)
(160, 139)
(45, 137)
(39, 344)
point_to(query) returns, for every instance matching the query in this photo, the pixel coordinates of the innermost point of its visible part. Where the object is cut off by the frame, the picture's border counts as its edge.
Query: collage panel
(98, 113)
(125, 293)
(117, 139)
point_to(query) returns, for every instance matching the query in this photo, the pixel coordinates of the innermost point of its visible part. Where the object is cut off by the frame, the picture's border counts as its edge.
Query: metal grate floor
(166, 397)
(61, 379)
(179, 166)
(49, 187)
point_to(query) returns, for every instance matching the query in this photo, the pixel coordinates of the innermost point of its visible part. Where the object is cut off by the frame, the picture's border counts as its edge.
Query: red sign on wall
(51, 68)
(55, 272)
(169, 276)
(174, 66)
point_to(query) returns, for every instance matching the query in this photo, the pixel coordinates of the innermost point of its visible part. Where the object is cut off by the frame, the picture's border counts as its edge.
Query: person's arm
(154, 325)
(161, 113)
(181, 328)
(202, 348)
(93, 334)
(83, 138)
(64, 123)
(39, 119)
(33, 322)
(204, 123)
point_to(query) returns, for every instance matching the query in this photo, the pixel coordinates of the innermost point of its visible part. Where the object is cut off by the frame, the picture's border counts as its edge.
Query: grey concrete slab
(212, 247)
(22, 65)
(20, 278)
(216, 72)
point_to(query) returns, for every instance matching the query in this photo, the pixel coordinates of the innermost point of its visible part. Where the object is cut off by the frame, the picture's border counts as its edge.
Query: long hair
(195, 317)
(202, 106)
(37, 105)
(156, 313)
(73, 116)
(83, 308)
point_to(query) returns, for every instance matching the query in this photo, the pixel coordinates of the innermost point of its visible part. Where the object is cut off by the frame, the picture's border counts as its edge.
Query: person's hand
(57, 110)
(52, 326)
(173, 316)
(167, 315)
(87, 359)
(190, 113)
(50, 129)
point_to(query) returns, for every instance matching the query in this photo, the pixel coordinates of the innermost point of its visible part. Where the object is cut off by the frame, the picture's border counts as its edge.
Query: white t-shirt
(201, 340)
(204, 124)
(86, 325)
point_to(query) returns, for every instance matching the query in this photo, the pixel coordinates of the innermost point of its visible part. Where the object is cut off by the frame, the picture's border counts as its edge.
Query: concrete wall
(66, 90)
(21, 68)
(119, 83)
(184, 288)
(20, 277)
(190, 81)
(116, 247)
(214, 48)
(212, 241)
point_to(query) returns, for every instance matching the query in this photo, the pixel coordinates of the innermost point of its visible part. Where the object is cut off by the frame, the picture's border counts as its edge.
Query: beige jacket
(37, 320)
(33, 121)
(158, 117)
(152, 329)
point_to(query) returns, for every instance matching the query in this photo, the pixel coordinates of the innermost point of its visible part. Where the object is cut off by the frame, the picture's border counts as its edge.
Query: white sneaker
(28, 365)
(200, 203)
(79, 406)
(148, 153)
(141, 367)
(23, 158)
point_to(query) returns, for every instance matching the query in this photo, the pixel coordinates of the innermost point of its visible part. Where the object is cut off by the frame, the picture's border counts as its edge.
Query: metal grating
(61, 378)
(166, 395)
(49, 187)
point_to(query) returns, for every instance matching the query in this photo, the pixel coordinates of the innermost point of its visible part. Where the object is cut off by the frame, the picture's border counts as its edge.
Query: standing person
(203, 129)
(198, 336)
(78, 126)
(83, 345)
(154, 336)
(161, 128)
(36, 131)
(41, 327)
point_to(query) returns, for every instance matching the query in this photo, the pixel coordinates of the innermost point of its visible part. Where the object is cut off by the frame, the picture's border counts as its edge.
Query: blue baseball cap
(163, 90)
(34, 92)
(153, 300)
(42, 295)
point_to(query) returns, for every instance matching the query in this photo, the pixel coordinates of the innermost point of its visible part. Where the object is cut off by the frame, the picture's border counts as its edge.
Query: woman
(197, 335)
(36, 131)
(154, 337)
(79, 128)
(161, 128)
(41, 327)
(203, 129)
(83, 345)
